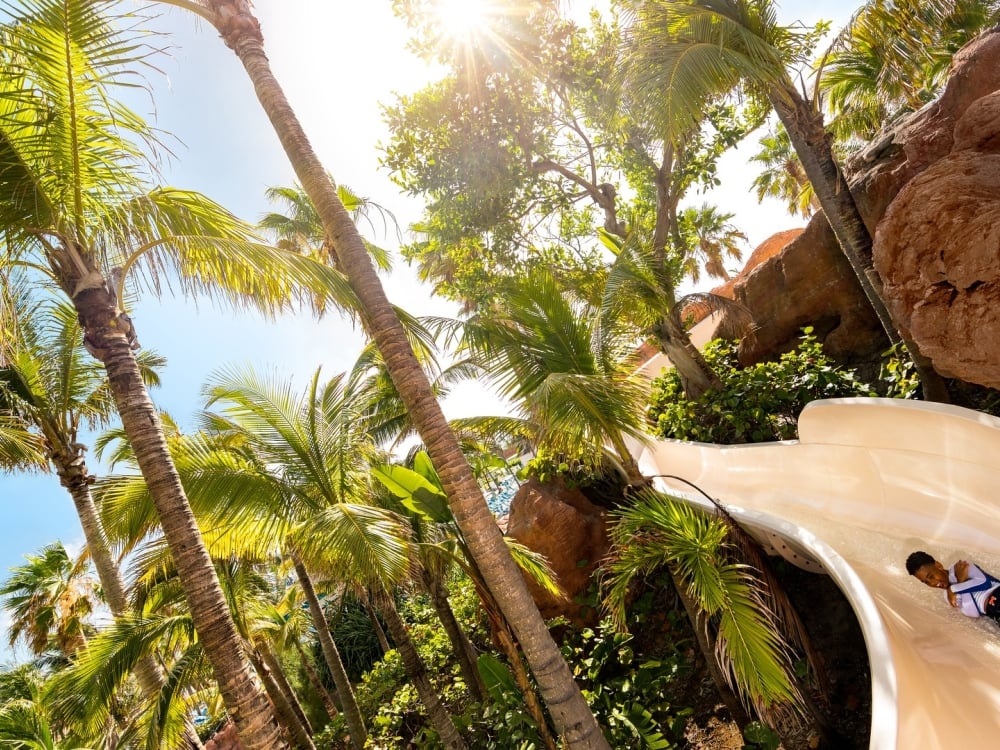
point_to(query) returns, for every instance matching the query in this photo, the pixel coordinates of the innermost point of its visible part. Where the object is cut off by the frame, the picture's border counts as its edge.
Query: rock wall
(937, 247)
(927, 189)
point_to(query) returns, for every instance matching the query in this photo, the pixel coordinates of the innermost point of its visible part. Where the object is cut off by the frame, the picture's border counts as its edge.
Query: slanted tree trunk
(812, 143)
(67, 457)
(317, 683)
(349, 704)
(295, 730)
(106, 334)
(571, 714)
(464, 651)
(273, 664)
(696, 376)
(416, 671)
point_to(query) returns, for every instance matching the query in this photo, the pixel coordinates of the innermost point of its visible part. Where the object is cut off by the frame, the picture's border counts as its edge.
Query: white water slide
(868, 482)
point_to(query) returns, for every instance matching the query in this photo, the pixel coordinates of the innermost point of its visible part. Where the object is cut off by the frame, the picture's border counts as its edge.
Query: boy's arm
(968, 575)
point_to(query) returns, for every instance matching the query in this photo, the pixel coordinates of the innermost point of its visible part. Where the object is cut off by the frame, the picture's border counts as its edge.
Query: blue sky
(337, 60)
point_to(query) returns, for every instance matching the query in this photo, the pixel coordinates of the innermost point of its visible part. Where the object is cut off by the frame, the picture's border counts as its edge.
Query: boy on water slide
(967, 587)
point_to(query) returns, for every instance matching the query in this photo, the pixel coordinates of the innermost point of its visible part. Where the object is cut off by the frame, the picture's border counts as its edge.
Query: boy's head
(927, 570)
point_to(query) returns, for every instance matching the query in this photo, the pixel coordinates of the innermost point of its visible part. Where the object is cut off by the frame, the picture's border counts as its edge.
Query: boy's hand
(952, 597)
(962, 570)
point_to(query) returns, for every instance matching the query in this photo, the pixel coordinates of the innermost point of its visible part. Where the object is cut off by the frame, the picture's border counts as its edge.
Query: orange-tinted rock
(937, 248)
(808, 282)
(571, 532)
(938, 251)
(225, 739)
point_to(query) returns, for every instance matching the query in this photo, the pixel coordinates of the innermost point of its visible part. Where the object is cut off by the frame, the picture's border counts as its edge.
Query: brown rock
(938, 252)
(571, 532)
(808, 283)
(225, 739)
(978, 129)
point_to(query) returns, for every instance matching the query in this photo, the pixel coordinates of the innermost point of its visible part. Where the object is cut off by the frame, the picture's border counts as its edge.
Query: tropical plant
(78, 206)
(241, 32)
(569, 378)
(49, 599)
(687, 53)
(781, 174)
(893, 57)
(736, 632)
(755, 404)
(25, 721)
(711, 239)
(54, 389)
(300, 230)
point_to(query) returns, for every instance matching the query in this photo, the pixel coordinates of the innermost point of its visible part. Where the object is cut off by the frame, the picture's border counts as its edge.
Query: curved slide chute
(869, 481)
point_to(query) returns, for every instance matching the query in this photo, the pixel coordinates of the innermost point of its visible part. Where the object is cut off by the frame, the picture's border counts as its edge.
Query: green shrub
(627, 692)
(755, 404)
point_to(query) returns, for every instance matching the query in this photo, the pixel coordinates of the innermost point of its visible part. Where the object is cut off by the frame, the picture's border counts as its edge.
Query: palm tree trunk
(355, 722)
(812, 143)
(570, 712)
(317, 683)
(147, 671)
(501, 634)
(706, 645)
(696, 376)
(74, 476)
(241, 693)
(278, 673)
(464, 651)
(416, 671)
(383, 640)
(283, 708)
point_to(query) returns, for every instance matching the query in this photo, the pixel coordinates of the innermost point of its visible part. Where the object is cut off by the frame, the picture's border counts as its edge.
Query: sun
(463, 19)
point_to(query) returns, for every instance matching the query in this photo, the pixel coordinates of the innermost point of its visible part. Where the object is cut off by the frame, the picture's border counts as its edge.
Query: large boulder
(571, 532)
(808, 283)
(937, 247)
(927, 189)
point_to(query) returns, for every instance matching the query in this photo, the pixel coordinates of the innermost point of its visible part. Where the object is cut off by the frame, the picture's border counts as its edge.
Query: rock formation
(927, 189)
(571, 532)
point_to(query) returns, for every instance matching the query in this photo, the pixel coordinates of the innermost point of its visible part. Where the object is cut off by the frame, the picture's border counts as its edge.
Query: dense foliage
(756, 404)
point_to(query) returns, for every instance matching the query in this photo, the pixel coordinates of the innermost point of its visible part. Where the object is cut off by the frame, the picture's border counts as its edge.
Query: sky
(338, 61)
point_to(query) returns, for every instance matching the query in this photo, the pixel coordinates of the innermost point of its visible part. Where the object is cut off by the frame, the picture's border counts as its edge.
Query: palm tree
(569, 378)
(782, 176)
(25, 720)
(50, 383)
(300, 229)
(711, 239)
(49, 599)
(241, 32)
(687, 52)
(438, 537)
(76, 204)
(736, 633)
(893, 58)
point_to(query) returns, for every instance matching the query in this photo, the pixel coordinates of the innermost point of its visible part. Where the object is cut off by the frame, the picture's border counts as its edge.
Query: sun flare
(462, 18)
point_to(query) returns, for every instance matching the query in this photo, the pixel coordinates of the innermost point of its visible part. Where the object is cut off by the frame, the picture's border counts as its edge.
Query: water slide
(869, 481)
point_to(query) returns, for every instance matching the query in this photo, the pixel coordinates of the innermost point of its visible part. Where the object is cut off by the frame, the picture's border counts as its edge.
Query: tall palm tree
(711, 239)
(687, 52)
(240, 30)
(781, 174)
(77, 204)
(51, 384)
(49, 599)
(268, 460)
